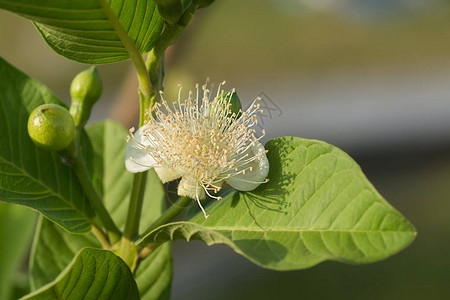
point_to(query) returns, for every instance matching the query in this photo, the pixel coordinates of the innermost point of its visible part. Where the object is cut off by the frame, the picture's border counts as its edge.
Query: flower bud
(203, 3)
(85, 90)
(231, 100)
(51, 127)
(170, 10)
(236, 106)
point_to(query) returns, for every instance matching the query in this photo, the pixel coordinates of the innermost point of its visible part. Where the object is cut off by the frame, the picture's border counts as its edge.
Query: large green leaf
(317, 206)
(28, 175)
(16, 229)
(81, 30)
(54, 248)
(93, 274)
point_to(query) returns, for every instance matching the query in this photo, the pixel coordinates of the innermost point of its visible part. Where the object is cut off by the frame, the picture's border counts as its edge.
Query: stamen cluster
(203, 141)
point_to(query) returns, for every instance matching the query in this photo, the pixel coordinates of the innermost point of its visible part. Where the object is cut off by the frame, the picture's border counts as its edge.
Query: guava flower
(202, 142)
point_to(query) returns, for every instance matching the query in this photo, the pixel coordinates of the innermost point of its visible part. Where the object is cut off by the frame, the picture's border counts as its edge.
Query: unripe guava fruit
(51, 127)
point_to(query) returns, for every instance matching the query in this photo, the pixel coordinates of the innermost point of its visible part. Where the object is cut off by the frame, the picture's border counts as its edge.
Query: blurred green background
(369, 76)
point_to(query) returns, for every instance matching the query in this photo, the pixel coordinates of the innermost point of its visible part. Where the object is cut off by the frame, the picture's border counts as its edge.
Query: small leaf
(93, 274)
(28, 175)
(317, 206)
(81, 31)
(54, 248)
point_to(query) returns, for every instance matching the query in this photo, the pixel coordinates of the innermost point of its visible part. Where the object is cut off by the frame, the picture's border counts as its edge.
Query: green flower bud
(51, 127)
(85, 90)
(233, 103)
(236, 106)
(203, 3)
(186, 17)
(170, 10)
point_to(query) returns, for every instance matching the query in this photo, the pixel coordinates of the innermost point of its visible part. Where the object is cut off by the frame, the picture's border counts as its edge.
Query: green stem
(135, 207)
(169, 214)
(145, 105)
(155, 59)
(146, 250)
(101, 237)
(127, 249)
(155, 66)
(150, 82)
(156, 73)
(146, 93)
(143, 77)
(80, 168)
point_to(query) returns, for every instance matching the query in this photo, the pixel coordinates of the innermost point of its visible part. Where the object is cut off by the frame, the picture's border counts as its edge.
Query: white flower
(201, 141)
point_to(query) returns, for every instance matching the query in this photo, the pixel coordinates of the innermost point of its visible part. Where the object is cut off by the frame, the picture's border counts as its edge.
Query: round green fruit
(51, 127)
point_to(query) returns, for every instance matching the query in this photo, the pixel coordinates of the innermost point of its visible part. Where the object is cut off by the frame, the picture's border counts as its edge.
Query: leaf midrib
(57, 9)
(312, 230)
(50, 191)
(293, 230)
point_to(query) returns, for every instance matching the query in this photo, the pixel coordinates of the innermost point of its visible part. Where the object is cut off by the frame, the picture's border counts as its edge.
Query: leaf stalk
(168, 215)
(80, 168)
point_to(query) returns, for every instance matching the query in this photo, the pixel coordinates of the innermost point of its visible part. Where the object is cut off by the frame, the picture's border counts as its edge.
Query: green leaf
(93, 274)
(28, 175)
(154, 274)
(16, 227)
(81, 30)
(54, 248)
(317, 206)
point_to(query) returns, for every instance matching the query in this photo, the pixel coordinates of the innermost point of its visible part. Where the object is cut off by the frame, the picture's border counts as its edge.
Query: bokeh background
(369, 76)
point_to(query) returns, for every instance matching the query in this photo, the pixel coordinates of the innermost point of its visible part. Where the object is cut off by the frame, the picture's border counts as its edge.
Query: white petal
(251, 179)
(166, 174)
(137, 158)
